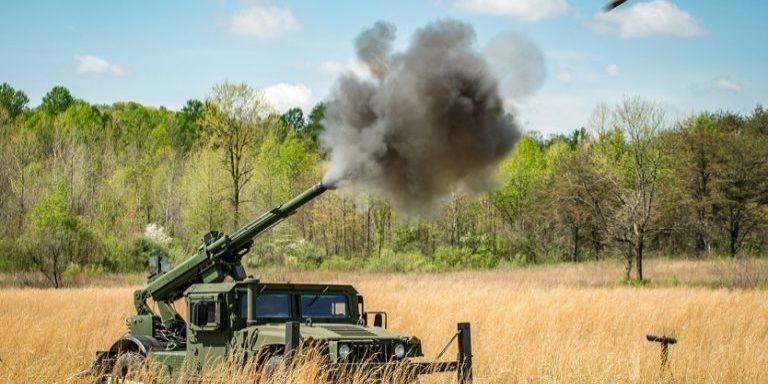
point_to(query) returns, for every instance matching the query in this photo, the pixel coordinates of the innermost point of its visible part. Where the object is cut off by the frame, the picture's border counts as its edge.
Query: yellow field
(560, 324)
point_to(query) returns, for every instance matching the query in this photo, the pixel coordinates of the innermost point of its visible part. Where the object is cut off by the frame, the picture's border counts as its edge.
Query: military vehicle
(231, 314)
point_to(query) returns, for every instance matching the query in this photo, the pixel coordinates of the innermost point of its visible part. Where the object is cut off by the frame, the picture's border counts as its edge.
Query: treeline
(99, 188)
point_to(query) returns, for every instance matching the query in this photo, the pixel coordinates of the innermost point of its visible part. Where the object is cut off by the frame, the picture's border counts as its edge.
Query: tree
(630, 157)
(294, 118)
(23, 153)
(55, 238)
(14, 101)
(315, 123)
(6, 173)
(524, 173)
(576, 197)
(185, 130)
(233, 118)
(204, 195)
(57, 100)
(741, 181)
(696, 145)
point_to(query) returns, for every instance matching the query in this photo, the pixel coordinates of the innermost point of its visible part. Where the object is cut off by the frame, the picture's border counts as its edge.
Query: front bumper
(404, 368)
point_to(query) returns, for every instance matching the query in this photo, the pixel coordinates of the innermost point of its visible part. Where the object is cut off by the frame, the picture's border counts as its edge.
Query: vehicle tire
(275, 367)
(129, 365)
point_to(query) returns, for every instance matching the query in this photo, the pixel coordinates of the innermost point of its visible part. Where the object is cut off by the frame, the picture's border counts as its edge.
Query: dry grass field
(550, 324)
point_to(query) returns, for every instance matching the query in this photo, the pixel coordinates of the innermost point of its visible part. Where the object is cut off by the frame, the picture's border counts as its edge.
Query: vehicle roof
(287, 286)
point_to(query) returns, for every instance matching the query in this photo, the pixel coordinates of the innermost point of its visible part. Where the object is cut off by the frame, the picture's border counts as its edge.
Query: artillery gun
(258, 322)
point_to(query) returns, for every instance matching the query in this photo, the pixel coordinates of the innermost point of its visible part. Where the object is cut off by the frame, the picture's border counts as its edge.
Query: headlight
(344, 351)
(399, 351)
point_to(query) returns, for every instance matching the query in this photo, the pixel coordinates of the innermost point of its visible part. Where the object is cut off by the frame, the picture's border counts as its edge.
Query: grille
(370, 352)
(346, 330)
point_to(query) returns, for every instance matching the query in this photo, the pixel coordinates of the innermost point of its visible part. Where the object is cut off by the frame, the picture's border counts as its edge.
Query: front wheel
(275, 368)
(129, 365)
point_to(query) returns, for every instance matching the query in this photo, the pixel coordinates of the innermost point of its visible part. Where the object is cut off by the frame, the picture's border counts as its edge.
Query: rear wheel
(129, 365)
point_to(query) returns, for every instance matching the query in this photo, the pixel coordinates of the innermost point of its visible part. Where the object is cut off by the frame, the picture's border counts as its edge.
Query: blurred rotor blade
(613, 4)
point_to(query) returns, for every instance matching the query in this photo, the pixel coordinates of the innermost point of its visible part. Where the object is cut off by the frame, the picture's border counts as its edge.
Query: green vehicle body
(231, 314)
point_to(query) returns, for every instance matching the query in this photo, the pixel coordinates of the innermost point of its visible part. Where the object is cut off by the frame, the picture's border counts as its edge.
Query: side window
(243, 304)
(206, 314)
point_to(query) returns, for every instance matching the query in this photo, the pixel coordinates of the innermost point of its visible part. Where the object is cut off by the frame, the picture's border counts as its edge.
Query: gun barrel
(261, 224)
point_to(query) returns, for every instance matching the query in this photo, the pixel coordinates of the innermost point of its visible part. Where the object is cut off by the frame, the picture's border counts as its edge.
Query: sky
(687, 55)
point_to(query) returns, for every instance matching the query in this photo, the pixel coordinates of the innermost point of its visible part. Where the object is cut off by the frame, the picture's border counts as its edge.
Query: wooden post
(665, 342)
(464, 373)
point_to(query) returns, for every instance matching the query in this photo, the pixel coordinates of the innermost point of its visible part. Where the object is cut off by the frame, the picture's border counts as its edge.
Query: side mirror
(379, 318)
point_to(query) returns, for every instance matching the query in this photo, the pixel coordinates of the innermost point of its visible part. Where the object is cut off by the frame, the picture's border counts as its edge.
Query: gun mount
(218, 257)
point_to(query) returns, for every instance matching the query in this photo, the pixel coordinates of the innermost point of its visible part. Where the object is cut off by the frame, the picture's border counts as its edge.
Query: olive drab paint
(262, 322)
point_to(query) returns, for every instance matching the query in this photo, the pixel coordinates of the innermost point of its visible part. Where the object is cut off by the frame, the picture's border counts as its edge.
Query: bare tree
(232, 117)
(576, 197)
(630, 157)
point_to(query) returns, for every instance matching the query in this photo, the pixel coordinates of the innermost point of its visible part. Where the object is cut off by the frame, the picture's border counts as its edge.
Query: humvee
(231, 314)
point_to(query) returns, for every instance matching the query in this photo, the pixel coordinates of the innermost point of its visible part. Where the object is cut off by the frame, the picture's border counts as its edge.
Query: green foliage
(184, 132)
(57, 100)
(315, 123)
(413, 261)
(294, 118)
(304, 255)
(81, 121)
(452, 258)
(55, 237)
(8, 259)
(138, 254)
(522, 172)
(79, 184)
(12, 100)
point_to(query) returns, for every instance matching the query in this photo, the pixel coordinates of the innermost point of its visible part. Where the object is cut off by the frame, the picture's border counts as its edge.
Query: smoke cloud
(431, 121)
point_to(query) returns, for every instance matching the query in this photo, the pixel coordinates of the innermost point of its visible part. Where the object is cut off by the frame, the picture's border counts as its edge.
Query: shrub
(137, 257)
(304, 255)
(400, 262)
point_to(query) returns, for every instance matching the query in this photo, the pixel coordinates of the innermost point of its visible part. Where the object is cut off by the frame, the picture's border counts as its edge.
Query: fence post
(464, 372)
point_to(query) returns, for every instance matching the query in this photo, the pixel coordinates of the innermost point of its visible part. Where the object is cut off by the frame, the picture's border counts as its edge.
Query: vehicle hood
(332, 331)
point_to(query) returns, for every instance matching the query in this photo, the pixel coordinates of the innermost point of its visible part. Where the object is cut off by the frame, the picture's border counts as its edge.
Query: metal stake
(665, 341)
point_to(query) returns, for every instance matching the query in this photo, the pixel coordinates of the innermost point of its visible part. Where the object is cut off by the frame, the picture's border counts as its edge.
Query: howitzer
(217, 257)
(259, 321)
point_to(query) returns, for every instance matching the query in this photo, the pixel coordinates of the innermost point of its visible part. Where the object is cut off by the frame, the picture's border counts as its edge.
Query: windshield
(324, 306)
(270, 305)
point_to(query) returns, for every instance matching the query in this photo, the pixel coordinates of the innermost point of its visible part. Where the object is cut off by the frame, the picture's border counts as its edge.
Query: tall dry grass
(539, 325)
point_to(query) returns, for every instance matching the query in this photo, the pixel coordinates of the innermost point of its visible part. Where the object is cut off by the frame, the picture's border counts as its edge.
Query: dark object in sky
(613, 4)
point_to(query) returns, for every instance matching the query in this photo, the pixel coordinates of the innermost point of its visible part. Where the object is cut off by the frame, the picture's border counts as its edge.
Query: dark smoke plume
(432, 121)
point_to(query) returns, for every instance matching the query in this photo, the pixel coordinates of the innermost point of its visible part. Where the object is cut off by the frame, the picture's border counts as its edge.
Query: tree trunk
(596, 246)
(734, 238)
(368, 229)
(575, 243)
(236, 205)
(639, 256)
(628, 266)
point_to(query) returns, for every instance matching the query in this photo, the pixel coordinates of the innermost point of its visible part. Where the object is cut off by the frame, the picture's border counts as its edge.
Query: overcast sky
(689, 55)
